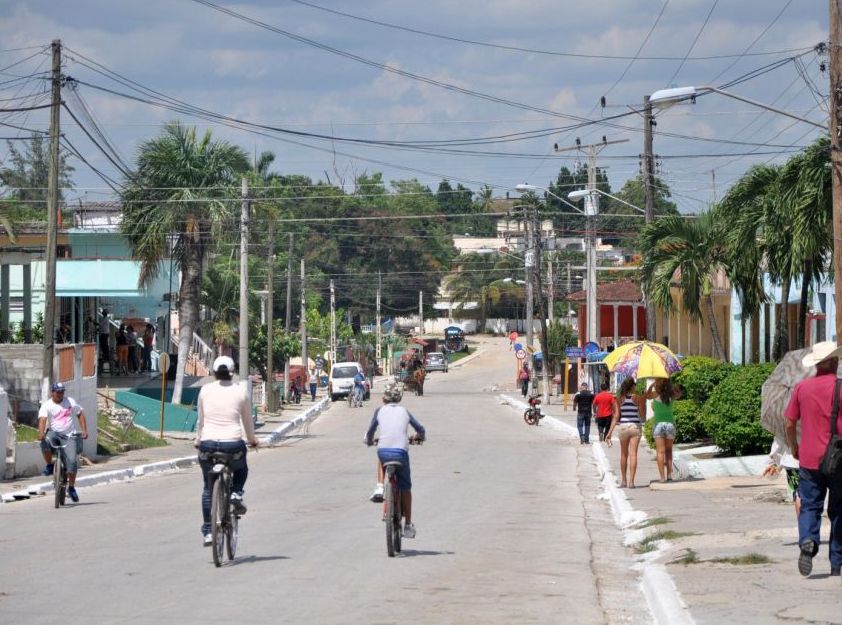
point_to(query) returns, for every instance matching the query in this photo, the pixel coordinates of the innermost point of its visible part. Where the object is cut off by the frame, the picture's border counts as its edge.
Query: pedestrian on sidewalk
(603, 405)
(583, 404)
(313, 380)
(148, 340)
(781, 458)
(627, 410)
(663, 394)
(813, 403)
(523, 378)
(104, 342)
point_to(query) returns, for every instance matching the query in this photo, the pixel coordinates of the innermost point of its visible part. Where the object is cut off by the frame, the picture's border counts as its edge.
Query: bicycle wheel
(529, 417)
(58, 486)
(389, 509)
(396, 523)
(218, 505)
(231, 533)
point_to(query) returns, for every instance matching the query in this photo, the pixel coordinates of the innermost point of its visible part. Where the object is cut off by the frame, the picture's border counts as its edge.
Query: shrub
(699, 376)
(731, 415)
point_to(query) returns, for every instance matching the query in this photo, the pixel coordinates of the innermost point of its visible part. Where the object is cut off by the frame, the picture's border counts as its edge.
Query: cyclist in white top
(57, 428)
(393, 421)
(224, 422)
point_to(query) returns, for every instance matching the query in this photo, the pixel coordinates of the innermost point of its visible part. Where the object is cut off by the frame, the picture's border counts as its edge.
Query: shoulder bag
(831, 465)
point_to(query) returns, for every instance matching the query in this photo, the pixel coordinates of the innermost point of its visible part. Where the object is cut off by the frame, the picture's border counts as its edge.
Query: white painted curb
(174, 464)
(662, 597)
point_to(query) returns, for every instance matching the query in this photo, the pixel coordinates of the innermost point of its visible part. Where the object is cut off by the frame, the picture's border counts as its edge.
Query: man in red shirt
(603, 405)
(812, 404)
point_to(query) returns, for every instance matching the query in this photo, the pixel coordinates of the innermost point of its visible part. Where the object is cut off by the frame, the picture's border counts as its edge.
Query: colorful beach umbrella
(643, 359)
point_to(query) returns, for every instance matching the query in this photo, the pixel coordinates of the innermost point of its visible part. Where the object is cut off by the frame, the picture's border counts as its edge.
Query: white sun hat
(821, 351)
(223, 361)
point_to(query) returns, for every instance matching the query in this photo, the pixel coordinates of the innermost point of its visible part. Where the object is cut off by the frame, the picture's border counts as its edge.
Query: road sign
(520, 354)
(574, 352)
(591, 347)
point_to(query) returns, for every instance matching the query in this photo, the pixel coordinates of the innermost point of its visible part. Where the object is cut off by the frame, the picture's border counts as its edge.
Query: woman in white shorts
(626, 421)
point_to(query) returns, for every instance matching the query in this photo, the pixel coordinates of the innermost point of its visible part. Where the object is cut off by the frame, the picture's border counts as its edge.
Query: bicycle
(224, 520)
(532, 415)
(60, 471)
(294, 395)
(392, 503)
(355, 398)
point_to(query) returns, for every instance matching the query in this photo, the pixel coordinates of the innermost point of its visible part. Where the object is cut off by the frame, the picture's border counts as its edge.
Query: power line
(693, 45)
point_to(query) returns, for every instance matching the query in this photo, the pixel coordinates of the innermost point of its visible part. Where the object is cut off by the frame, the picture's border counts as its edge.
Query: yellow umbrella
(643, 359)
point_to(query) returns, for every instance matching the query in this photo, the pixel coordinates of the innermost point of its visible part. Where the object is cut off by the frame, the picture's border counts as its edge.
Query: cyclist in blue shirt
(359, 385)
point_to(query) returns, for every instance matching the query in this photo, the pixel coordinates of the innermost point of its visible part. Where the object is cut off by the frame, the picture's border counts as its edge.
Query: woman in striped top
(627, 422)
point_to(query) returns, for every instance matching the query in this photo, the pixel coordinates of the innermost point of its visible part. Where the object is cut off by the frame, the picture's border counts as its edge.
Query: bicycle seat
(223, 457)
(393, 463)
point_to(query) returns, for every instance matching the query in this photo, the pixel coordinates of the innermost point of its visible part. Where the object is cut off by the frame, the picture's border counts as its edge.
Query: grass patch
(744, 560)
(454, 356)
(689, 557)
(648, 544)
(26, 434)
(113, 440)
(661, 520)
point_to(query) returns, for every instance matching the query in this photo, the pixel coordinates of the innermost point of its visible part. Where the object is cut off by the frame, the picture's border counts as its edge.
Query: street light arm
(614, 197)
(764, 106)
(531, 187)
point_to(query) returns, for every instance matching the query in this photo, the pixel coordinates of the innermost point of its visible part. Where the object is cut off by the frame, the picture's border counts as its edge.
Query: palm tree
(689, 253)
(181, 189)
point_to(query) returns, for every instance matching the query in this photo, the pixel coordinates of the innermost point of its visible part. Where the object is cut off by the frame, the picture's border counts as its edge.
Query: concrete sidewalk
(720, 519)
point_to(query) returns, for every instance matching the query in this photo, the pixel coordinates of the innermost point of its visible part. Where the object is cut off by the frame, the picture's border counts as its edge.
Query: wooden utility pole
(649, 194)
(244, 282)
(52, 225)
(270, 319)
(835, 154)
(289, 313)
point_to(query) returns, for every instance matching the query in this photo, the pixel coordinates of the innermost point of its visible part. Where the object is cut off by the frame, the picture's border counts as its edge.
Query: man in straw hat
(812, 404)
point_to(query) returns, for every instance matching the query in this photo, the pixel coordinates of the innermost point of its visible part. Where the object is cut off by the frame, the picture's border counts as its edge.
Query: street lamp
(664, 98)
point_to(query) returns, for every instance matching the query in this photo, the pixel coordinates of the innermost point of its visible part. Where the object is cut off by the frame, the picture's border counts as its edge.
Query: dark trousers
(583, 422)
(239, 467)
(104, 349)
(812, 487)
(524, 387)
(313, 391)
(602, 425)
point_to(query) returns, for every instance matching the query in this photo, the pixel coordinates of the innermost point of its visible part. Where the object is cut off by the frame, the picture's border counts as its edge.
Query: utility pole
(542, 303)
(244, 282)
(528, 264)
(288, 320)
(378, 353)
(52, 225)
(835, 146)
(303, 319)
(550, 291)
(270, 329)
(421, 312)
(649, 194)
(332, 324)
(591, 211)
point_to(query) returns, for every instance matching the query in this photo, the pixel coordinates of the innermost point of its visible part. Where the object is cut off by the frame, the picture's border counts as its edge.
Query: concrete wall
(6, 452)
(20, 376)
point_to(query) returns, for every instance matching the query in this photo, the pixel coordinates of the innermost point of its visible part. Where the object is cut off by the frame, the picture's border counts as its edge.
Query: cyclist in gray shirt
(393, 421)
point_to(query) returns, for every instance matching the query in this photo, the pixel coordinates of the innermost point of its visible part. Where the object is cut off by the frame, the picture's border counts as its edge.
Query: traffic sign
(574, 352)
(520, 354)
(591, 347)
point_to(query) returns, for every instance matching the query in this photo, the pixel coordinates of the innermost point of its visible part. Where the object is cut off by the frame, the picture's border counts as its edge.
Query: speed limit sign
(520, 354)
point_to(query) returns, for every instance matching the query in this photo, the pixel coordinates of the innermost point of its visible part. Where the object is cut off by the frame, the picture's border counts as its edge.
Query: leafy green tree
(284, 347)
(27, 175)
(560, 335)
(689, 253)
(181, 189)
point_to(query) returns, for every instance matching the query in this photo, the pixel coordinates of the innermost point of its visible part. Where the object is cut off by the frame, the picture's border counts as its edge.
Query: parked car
(435, 361)
(341, 380)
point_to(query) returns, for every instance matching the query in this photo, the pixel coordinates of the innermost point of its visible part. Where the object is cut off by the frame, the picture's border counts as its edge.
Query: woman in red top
(603, 406)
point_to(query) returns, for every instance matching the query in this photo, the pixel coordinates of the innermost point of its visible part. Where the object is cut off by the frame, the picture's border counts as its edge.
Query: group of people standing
(132, 352)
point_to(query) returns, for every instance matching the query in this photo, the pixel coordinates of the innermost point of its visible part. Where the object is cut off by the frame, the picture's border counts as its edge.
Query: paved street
(502, 534)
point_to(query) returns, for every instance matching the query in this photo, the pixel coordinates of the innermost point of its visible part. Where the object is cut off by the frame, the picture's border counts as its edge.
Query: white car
(436, 361)
(341, 380)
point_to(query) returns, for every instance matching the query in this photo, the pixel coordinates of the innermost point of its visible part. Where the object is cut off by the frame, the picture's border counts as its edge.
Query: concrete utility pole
(550, 291)
(303, 319)
(332, 324)
(528, 264)
(545, 377)
(52, 225)
(649, 194)
(378, 353)
(421, 312)
(244, 282)
(835, 154)
(289, 313)
(270, 320)
(591, 211)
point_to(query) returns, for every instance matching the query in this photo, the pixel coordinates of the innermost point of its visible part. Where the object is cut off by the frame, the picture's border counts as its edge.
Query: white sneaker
(238, 504)
(207, 540)
(377, 495)
(409, 530)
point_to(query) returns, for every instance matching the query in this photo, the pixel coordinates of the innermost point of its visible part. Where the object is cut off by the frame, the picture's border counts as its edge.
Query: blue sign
(574, 352)
(518, 346)
(591, 347)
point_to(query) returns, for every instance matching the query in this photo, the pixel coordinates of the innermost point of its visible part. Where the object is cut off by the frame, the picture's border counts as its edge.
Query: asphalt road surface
(502, 531)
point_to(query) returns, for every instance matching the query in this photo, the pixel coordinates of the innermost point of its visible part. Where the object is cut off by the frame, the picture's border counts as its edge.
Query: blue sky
(196, 54)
